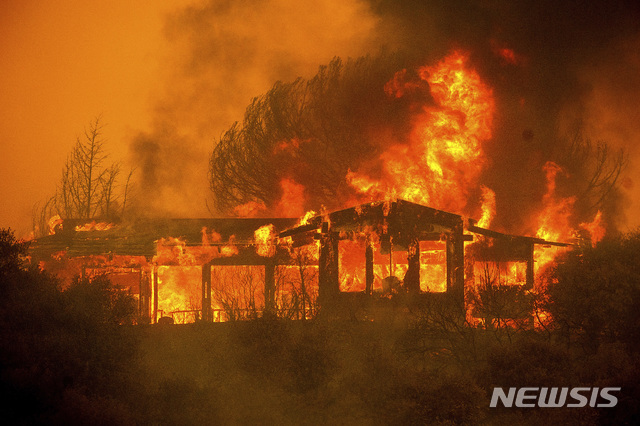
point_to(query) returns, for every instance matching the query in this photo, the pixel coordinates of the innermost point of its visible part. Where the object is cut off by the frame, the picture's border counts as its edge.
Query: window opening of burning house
(390, 265)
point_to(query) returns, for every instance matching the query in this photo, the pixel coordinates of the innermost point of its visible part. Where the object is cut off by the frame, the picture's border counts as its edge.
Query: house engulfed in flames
(238, 268)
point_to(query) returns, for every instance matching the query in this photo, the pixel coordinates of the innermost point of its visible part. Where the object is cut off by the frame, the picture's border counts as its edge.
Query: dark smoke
(567, 52)
(313, 132)
(168, 166)
(571, 58)
(219, 55)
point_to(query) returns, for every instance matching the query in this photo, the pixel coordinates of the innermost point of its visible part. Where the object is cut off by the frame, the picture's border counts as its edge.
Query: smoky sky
(566, 54)
(569, 56)
(574, 67)
(220, 55)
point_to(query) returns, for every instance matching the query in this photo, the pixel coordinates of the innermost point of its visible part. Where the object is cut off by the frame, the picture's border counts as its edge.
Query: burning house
(236, 268)
(421, 137)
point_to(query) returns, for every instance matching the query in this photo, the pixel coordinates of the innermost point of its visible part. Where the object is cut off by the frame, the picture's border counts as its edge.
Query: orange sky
(62, 65)
(134, 62)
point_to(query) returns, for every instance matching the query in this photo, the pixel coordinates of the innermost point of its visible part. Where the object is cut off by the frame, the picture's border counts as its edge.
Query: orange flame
(54, 222)
(553, 221)
(94, 226)
(265, 238)
(292, 200)
(595, 228)
(488, 207)
(304, 220)
(179, 292)
(175, 251)
(444, 157)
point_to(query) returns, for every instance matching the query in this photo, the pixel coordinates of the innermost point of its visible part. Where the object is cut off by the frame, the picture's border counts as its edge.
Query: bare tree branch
(88, 185)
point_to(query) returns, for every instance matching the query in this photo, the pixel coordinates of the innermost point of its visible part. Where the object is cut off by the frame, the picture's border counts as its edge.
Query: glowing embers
(94, 226)
(179, 293)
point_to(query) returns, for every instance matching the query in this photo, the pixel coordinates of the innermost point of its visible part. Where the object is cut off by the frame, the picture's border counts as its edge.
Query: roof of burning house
(401, 216)
(499, 235)
(139, 237)
(398, 218)
(395, 216)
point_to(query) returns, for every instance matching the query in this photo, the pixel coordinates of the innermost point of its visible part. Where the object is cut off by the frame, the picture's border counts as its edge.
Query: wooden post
(328, 269)
(455, 262)
(269, 289)
(412, 277)
(206, 293)
(141, 294)
(529, 281)
(368, 256)
(144, 296)
(155, 294)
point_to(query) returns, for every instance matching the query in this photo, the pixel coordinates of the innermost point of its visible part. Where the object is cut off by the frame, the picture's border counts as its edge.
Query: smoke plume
(559, 73)
(220, 54)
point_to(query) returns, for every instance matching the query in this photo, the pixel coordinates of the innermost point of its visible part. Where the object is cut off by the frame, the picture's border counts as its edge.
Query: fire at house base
(340, 264)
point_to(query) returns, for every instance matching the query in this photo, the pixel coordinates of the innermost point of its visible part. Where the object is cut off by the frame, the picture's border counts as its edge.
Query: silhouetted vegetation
(62, 357)
(71, 357)
(311, 131)
(595, 294)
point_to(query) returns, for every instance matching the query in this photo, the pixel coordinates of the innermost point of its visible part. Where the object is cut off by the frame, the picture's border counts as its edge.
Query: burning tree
(305, 131)
(591, 172)
(367, 129)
